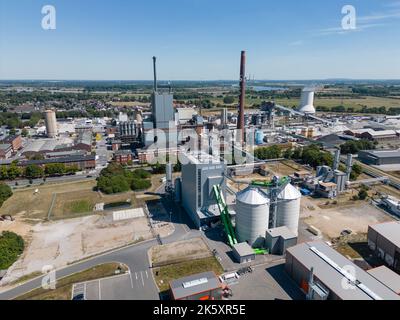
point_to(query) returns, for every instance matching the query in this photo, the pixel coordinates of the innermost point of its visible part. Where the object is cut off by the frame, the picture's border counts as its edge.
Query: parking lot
(265, 283)
(128, 286)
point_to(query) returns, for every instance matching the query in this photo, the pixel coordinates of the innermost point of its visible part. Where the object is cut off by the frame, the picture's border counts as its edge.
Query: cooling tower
(307, 101)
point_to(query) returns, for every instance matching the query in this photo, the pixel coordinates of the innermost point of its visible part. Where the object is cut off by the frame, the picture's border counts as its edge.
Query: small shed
(279, 239)
(243, 253)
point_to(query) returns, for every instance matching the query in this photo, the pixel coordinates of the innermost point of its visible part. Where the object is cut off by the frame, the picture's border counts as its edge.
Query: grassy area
(33, 205)
(183, 269)
(80, 206)
(64, 286)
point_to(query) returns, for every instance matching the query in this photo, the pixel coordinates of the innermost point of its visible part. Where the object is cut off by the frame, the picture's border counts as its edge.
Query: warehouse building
(203, 286)
(324, 274)
(380, 157)
(388, 277)
(384, 240)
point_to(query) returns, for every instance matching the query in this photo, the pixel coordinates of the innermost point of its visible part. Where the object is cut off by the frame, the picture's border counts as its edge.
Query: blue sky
(199, 39)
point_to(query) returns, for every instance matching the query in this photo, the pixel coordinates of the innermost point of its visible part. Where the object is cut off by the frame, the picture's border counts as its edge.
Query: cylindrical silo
(252, 216)
(259, 137)
(288, 208)
(51, 123)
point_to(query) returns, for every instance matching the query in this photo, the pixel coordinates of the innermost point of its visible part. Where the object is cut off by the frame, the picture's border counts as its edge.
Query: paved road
(135, 257)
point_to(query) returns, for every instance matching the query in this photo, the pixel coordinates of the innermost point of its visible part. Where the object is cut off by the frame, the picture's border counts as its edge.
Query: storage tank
(259, 137)
(252, 216)
(51, 123)
(288, 208)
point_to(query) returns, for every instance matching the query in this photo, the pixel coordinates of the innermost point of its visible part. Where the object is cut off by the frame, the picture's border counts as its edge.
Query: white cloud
(296, 43)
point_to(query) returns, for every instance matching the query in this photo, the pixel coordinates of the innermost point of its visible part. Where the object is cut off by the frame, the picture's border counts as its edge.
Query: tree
(14, 171)
(11, 247)
(3, 173)
(54, 169)
(24, 132)
(229, 100)
(34, 171)
(5, 193)
(140, 184)
(159, 168)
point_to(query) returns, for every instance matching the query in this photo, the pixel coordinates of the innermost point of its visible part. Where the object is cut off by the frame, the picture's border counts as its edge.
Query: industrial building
(243, 253)
(388, 277)
(278, 240)
(200, 173)
(384, 241)
(380, 157)
(324, 274)
(5, 151)
(51, 124)
(15, 141)
(81, 162)
(203, 286)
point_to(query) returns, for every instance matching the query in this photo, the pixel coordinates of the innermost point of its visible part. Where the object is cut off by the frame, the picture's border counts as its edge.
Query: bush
(140, 184)
(11, 247)
(141, 174)
(363, 194)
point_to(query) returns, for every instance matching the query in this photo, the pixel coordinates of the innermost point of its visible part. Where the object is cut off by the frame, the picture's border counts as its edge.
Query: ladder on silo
(225, 217)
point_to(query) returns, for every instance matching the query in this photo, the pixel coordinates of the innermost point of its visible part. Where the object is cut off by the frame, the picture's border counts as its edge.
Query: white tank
(252, 216)
(307, 101)
(288, 208)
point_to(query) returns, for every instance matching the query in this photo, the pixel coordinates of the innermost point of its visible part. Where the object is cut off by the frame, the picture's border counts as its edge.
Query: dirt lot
(63, 242)
(332, 219)
(32, 206)
(179, 251)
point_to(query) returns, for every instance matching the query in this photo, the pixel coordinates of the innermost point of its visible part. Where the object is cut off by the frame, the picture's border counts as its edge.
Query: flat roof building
(331, 271)
(243, 252)
(379, 157)
(384, 240)
(278, 240)
(202, 286)
(388, 277)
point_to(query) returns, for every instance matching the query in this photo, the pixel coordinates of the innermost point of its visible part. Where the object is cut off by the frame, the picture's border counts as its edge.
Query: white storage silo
(252, 216)
(288, 208)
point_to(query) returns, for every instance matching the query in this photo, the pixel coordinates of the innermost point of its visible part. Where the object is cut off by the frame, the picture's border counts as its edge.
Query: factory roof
(243, 249)
(40, 145)
(5, 146)
(60, 160)
(201, 158)
(381, 133)
(389, 230)
(283, 232)
(194, 284)
(383, 153)
(388, 277)
(333, 279)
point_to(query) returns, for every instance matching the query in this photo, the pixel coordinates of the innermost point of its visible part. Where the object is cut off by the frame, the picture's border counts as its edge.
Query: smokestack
(155, 73)
(336, 160)
(349, 165)
(242, 93)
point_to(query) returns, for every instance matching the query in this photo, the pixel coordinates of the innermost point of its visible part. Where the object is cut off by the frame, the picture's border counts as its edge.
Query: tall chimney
(155, 73)
(242, 93)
